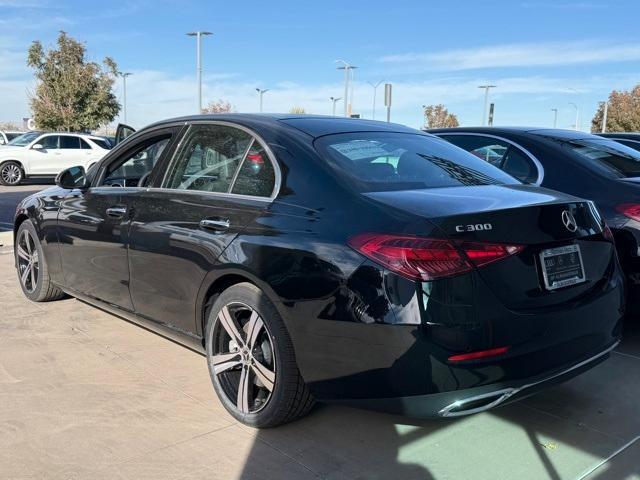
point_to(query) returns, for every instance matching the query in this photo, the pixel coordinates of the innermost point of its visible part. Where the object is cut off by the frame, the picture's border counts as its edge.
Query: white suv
(36, 154)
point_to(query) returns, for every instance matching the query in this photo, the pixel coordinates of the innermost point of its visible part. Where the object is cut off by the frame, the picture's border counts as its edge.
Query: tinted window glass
(629, 143)
(209, 158)
(49, 142)
(24, 139)
(134, 168)
(101, 143)
(608, 155)
(11, 136)
(68, 142)
(518, 165)
(488, 149)
(422, 162)
(84, 145)
(256, 176)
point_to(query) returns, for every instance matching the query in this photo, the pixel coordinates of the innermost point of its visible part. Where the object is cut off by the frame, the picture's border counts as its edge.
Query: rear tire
(11, 174)
(33, 271)
(251, 360)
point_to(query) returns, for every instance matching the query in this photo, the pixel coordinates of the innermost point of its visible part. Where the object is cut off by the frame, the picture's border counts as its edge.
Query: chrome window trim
(536, 162)
(255, 137)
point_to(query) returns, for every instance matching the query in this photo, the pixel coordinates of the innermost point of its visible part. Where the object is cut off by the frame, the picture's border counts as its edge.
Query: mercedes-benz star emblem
(569, 221)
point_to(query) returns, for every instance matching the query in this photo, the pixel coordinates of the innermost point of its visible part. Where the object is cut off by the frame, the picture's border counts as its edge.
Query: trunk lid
(530, 216)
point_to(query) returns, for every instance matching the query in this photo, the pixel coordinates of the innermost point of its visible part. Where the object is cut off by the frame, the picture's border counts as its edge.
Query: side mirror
(74, 177)
(37, 146)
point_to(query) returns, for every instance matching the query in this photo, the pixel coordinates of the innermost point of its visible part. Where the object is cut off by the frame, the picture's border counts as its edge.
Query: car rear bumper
(466, 402)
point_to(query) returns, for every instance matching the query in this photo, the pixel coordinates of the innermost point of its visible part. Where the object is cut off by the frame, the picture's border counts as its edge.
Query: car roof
(313, 125)
(543, 132)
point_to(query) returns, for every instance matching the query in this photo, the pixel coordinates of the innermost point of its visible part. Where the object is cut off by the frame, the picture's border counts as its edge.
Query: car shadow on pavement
(558, 433)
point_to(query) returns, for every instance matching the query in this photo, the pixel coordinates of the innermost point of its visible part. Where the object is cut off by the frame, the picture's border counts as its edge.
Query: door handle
(116, 211)
(218, 224)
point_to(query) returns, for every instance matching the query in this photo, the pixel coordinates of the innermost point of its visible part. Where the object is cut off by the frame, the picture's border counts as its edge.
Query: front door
(94, 224)
(47, 158)
(219, 181)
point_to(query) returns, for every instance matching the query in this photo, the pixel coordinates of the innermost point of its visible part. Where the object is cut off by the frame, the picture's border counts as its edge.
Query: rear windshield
(382, 161)
(609, 155)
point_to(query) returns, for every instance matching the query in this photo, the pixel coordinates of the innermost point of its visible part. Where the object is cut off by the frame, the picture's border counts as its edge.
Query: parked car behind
(39, 154)
(6, 137)
(630, 139)
(578, 163)
(332, 259)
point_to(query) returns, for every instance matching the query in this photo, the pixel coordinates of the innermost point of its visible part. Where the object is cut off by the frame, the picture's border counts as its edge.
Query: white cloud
(520, 55)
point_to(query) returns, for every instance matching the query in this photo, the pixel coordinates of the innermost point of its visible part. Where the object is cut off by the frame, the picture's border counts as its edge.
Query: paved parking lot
(84, 394)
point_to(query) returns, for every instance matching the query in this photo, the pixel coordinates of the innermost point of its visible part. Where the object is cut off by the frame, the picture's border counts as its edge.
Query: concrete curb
(6, 239)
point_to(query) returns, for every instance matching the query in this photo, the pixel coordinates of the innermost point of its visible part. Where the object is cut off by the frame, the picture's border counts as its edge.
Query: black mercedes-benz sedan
(585, 165)
(331, 259)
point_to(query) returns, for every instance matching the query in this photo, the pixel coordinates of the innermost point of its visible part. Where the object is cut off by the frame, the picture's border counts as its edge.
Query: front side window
(50, 142)
(376, 161)
(209, 159)
(133, 169)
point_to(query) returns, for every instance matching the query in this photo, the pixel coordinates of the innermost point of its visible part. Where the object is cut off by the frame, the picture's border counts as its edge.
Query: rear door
(71, 151)
(220, 179)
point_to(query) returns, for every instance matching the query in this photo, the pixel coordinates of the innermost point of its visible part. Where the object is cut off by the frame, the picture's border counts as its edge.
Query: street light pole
(199, 34)
(577, 114)
(260, 93)
(604, 117)
(124, 76)
(555, 117)
(486, 101)
(347, 77)
(333, 101)
(375, 89)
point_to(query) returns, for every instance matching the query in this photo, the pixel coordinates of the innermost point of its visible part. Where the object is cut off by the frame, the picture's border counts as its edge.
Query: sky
(540, 54)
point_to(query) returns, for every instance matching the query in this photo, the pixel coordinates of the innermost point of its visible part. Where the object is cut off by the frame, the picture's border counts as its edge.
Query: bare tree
(437, 116)
(297, 109)
(623, 112)
(220, 106)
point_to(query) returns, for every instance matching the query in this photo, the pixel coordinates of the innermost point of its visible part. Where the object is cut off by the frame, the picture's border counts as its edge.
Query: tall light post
(334, 100)
(260, 94)
(576, 126)
(124, 76)
(555, 117)
(486, 101)
(347, 77)
(375, 89)
(604, 117)
(199, 34)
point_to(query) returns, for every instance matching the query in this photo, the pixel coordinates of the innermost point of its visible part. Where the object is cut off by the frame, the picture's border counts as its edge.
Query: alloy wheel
(11, 174)
(243, 357)
(28, 261)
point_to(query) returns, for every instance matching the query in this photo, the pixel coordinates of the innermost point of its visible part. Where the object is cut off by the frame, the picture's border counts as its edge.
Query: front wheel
(251, 360)
(33, 271)
(11, 174)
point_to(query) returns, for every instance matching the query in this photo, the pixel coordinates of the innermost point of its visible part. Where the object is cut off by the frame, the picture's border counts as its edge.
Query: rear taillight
(494, 352)
(630, 210)
(420, 258)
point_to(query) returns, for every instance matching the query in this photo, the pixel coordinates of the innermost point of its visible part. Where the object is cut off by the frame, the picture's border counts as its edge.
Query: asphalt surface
(84, 394)
(11, 196)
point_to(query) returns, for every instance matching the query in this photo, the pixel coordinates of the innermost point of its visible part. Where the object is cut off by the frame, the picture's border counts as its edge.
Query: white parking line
(599, 464)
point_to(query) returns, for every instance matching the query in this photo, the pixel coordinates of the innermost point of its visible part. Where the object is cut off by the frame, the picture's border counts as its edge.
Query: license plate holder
(562, 266)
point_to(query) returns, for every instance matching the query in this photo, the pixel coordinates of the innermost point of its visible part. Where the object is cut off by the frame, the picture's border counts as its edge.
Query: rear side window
(101, 143)
(68, 142)
(256, 176)
(209, 158)
(376, 161)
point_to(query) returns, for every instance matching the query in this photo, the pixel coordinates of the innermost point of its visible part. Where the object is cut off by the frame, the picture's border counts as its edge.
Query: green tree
(623, 112)
(436, 116)
(72, 94)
